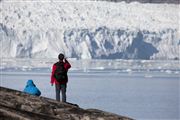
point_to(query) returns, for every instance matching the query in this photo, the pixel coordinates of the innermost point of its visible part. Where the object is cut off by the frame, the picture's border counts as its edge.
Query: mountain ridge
(146, 1)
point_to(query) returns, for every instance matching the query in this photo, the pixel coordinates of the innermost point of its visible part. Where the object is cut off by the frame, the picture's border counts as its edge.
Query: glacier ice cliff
(89, 30)
(86, 43)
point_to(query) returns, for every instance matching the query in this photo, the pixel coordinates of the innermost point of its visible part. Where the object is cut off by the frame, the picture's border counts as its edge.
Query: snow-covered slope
(87, 30)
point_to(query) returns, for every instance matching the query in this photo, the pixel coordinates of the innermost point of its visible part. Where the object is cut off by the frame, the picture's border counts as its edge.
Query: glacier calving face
(121, 43)
(89, 30)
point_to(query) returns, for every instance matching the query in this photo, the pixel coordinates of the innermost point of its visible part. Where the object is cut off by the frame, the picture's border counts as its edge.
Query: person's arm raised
(67, 64)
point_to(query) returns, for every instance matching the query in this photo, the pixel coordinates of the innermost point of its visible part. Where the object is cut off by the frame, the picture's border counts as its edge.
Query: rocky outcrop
(16, 105)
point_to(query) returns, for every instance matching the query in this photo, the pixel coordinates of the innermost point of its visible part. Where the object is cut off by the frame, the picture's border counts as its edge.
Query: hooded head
(31, 88)
(30, 83)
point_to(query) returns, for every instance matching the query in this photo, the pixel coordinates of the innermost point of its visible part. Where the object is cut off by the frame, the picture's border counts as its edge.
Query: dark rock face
(16, 105)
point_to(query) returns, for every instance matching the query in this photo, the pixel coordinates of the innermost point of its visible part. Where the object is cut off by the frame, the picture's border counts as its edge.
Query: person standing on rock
(59, 76)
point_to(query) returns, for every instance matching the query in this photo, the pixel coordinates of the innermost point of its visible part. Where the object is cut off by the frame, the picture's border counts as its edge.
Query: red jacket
(67, 65)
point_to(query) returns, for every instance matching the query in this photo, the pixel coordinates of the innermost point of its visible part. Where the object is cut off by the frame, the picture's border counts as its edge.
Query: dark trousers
(61, 88)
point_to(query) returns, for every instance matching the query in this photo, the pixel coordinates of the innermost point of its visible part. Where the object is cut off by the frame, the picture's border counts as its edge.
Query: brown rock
(16, 105)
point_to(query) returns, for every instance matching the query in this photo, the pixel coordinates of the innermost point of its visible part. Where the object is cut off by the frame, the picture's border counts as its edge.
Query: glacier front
(89, 30)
